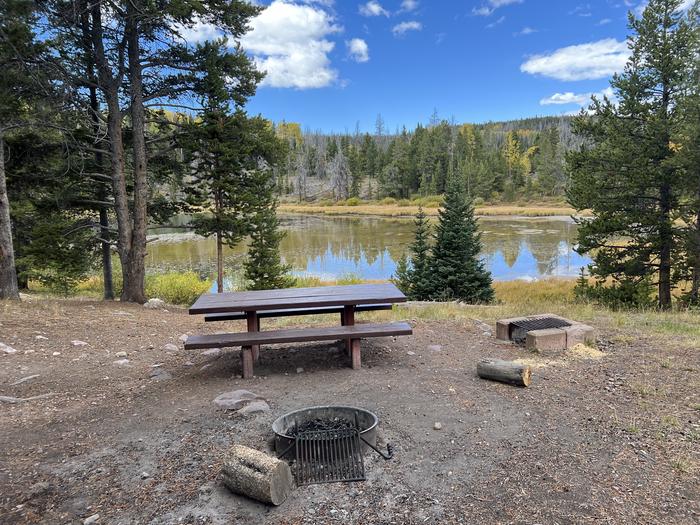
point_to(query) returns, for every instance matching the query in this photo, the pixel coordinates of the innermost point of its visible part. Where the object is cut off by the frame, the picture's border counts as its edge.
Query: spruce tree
(264, 269)
(421, 285)
(455, 270)
(628, 171)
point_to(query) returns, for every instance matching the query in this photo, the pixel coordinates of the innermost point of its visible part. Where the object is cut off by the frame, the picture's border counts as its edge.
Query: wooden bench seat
(238, 316)
(247, 340)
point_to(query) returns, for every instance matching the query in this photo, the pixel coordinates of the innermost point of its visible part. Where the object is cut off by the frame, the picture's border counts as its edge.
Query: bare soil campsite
(105, 414)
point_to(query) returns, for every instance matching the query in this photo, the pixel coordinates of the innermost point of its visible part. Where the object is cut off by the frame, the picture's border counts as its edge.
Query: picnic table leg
(247, 362)
(356, 358)
(348, 319)
(254, 326)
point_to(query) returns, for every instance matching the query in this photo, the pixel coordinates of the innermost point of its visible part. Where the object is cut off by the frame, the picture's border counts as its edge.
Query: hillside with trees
(495, 160)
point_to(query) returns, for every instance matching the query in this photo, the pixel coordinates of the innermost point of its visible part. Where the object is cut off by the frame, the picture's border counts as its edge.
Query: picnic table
(254, 305)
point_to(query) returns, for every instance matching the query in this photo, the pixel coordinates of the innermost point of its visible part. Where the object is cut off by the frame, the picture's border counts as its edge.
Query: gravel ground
(596, 438)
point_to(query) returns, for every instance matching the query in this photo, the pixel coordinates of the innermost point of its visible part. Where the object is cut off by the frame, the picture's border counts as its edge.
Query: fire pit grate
(327, 456)
(519, 329)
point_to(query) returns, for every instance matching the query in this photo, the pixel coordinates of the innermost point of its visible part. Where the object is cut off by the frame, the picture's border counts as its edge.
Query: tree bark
(134, 287)
(8, 272)
(256, 475)
(504, 371)
(219, 264)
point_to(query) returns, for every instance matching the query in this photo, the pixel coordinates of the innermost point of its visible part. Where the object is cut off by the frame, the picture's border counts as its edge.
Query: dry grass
(394, 210)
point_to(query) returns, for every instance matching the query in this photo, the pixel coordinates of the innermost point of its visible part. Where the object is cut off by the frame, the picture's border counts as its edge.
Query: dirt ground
(594, 439)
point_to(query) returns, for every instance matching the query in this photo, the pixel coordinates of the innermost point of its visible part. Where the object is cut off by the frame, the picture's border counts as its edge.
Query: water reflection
(330, 247)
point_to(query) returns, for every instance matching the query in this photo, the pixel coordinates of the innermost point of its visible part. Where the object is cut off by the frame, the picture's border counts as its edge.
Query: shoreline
(394, 211)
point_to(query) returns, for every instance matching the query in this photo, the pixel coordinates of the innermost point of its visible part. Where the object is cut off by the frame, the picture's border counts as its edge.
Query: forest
(497, 161)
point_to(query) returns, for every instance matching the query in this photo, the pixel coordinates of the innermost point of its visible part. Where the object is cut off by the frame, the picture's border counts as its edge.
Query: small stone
(120, 354)
(121, 362)
(169, 347)
(41, 337)
(300, 370)
(255, 407)
(435, 348)
(212, 352)
(56, 354)
(189, 363)
(145, 475)
(91, 519)
(77, 342)
(160, 374)
(410, 353)
(7, 349)
(183, 338)
(437, 426)
(154, 304)
(236, 399)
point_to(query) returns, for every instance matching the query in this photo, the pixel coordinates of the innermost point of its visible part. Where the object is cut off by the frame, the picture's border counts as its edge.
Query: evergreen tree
(628, 172)
(264, 269)
(456, 272)
(413, 270)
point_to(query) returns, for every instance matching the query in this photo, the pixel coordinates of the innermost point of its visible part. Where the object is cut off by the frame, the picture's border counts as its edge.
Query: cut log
(504, 371)
(256, 475)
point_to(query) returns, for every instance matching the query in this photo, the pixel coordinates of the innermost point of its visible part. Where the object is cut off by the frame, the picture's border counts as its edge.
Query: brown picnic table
(252, 305)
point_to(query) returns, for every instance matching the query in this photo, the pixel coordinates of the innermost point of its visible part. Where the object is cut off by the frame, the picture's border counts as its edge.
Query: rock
(56, 354)
(189, 363)
(7, 349)
(170, 347)
(120, 354)
(77, 342)
(121, 362)
(160, 374)
(236, 399)
(183, 338)
(435, 348)
(410, 353)
(91, 519)
(145, 475)
(154, 304)
(41, 337)
(255, 407)
(212, 352)
(300, 370)
(437, 426)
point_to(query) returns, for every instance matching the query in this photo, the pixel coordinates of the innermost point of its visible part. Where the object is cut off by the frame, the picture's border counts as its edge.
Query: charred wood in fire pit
(254, 474)
(318, 424)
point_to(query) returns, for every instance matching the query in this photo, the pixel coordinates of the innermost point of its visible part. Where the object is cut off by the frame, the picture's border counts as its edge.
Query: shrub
(404, 202)
(353, 201)
(388, 201)
(349, 278)
(479, 201)
(176, 288)
(625, 293)
(325, 202)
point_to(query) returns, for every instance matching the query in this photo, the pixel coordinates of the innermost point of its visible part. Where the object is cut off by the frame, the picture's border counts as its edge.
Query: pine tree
(421, 283)
(628, 171)
(455, 270)
(264, 269)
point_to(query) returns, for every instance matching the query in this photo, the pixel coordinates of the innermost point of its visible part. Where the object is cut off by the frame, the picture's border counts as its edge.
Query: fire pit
(288, 426)
(544, 332)
(326, 444)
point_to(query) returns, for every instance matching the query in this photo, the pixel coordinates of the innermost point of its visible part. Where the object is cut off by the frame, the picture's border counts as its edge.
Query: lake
(368, 247)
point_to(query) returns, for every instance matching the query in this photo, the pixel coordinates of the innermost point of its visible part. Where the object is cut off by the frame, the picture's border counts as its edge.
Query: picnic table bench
(254, 305)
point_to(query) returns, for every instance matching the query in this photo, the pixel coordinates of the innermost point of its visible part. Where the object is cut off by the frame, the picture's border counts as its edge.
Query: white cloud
(580, 99)
(604, 22)
(409, 5)
(404, 27)
(373, 8)
(358, 50)
(490, 6)
(198, 32)
(288, 41)
(580, 62)
(527, 30)
(497, 22)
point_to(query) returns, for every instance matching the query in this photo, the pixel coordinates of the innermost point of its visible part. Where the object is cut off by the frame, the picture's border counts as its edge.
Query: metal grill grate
(327, 456)
(519, 329)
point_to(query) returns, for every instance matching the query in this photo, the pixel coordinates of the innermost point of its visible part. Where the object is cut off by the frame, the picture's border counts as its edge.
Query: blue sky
(334, 63)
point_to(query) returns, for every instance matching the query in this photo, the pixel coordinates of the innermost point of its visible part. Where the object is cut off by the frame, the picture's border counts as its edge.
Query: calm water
(368, 247)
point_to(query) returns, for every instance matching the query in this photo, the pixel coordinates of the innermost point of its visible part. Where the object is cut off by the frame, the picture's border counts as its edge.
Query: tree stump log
(504, 371)
(256, 475)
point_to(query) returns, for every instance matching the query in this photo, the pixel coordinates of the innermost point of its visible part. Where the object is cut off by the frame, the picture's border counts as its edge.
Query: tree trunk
(107, 274)
(8, 273)
(666, 241)
(219, 264)
(504, 371)
(135, 276)
(257, 475)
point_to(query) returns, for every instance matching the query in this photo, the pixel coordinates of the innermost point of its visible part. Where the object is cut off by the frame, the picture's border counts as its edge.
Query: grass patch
(176, 288)
(681, 465)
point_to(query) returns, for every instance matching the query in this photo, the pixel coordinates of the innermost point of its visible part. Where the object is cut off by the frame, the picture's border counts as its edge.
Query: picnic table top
(297, 298)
